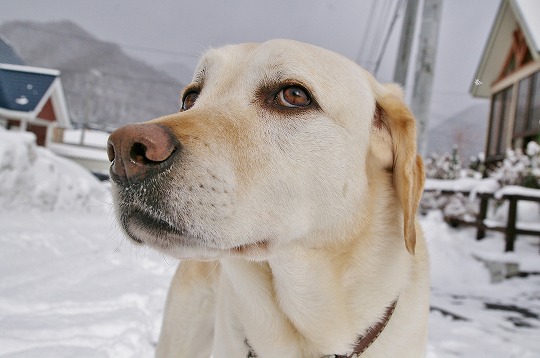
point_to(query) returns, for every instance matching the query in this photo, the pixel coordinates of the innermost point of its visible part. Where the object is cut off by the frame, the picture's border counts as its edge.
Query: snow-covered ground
(72, 286)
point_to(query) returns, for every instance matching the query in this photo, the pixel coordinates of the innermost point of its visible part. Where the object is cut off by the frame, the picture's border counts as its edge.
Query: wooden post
(481, 231)
(511, 224)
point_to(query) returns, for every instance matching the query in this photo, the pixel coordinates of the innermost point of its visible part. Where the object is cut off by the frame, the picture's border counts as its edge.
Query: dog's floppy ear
(394, 133)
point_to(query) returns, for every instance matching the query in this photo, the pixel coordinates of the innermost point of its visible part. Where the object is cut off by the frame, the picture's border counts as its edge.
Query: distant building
(509, 74)
(31, 98)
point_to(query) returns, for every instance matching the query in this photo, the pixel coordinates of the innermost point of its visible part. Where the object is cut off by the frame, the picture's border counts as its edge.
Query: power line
(381, 23)
(367, 30)
(387, 37)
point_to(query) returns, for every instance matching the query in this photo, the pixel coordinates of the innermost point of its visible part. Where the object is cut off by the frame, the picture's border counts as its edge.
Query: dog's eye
(189, 100)
(293, 97)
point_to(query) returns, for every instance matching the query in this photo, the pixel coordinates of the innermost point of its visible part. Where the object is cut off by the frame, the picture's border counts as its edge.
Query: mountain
(466, 129)
(178, 71)
(104, 86)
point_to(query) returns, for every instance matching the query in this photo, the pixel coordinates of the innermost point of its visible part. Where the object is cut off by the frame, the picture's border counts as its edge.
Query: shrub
(519, 168)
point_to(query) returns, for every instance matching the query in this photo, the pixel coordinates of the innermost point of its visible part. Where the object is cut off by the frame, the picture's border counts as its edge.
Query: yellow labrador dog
(288, 184)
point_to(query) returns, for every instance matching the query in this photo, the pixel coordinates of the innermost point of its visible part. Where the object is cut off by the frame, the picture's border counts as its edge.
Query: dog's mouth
(160, 233)
(256, 248)
(144, 227)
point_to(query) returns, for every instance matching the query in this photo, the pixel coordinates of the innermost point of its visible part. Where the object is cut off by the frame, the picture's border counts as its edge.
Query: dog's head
(272, 146)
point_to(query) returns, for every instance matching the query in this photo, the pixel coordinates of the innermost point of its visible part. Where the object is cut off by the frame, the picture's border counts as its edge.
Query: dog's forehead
(274, 58)
(337, 83)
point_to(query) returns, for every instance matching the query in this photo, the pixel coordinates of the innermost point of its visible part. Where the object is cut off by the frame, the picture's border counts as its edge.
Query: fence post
(480, 231)
(511, 224)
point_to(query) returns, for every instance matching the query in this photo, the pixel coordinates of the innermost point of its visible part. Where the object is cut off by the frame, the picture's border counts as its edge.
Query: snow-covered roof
(524, 14)
(24, 91)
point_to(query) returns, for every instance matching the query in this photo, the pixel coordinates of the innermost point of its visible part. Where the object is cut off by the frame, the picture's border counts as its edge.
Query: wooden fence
(511, 228)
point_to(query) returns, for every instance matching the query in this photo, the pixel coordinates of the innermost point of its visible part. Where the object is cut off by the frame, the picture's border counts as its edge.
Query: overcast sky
(165, 31)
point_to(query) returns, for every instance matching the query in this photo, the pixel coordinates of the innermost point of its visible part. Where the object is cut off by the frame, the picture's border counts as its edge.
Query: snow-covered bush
(432, 201)
(461, 207)
(34, 178)
(520, 168)
(477, 166)
(443, 166)
(449, 167)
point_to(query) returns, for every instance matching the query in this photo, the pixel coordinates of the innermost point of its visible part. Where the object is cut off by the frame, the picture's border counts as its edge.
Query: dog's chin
(178, 242)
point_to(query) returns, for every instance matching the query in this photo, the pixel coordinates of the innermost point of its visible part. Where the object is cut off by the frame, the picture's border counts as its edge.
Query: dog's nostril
(110, 152)
(138, 153)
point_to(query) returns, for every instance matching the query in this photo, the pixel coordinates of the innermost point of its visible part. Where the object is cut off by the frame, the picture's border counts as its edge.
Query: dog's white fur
(304, 218)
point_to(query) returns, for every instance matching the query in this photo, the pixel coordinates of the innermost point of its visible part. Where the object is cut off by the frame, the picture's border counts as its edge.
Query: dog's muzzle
(138, 151)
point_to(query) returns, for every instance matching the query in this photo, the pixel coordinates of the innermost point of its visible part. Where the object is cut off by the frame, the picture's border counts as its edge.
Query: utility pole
(405, 44)
(425, 69)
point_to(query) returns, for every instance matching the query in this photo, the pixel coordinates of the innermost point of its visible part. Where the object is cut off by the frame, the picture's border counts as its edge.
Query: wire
(379, 30)
(399, 6)
(367, 31)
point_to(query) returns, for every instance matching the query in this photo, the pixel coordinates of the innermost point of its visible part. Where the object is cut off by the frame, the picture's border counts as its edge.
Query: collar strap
(363, 342)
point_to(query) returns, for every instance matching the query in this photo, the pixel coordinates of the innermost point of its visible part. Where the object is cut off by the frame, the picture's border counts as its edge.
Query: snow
(75, 151)
(94, 138)
(33, 178)
(474, 185)
(517, 190)
(73, 286)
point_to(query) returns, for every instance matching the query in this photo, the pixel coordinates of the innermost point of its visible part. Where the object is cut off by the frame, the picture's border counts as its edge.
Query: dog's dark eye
(293, 97)
(189, 100)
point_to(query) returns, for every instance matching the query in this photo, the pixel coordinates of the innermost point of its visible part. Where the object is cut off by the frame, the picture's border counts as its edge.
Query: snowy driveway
(72, 287)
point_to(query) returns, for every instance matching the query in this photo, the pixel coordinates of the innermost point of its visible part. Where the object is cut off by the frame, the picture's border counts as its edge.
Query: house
(31, 98)
(509, 74)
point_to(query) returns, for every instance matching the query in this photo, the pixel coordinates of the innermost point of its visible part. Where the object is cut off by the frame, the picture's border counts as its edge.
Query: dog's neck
(363, 342)
(273, 294)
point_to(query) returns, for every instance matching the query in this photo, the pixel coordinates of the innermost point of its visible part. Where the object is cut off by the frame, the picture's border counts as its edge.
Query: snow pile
(34, 178)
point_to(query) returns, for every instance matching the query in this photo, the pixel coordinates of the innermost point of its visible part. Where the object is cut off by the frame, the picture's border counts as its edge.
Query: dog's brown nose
(140, 150)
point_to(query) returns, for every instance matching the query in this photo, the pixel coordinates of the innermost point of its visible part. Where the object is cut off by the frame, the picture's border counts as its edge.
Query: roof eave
(480, 91)
(12, 114)
(30, 69)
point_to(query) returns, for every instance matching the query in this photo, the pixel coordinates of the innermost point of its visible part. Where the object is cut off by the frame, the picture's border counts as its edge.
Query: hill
(466, 129)
(104, 86)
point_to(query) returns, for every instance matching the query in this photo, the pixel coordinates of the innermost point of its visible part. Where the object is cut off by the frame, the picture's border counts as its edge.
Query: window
(499, 122)
(522, 108)
(527, 116)
(534, 117)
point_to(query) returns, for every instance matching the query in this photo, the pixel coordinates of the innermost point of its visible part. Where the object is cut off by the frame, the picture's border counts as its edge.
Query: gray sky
(177, 31)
